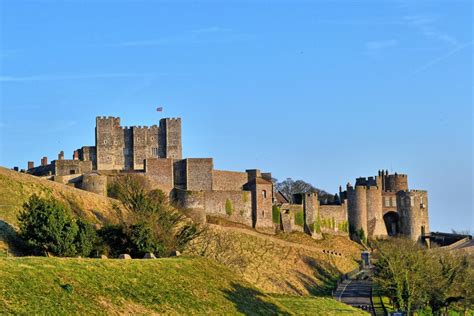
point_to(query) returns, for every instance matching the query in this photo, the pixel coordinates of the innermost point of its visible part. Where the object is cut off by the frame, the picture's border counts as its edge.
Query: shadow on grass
(327, 275)
(10, 237)
(250, 301)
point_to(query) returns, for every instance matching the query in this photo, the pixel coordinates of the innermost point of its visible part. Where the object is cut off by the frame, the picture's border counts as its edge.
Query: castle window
(412, 201)
(394, 201)
(387, 202)
(105, 141)
(72, 171)
(154, 152)
(264, 194)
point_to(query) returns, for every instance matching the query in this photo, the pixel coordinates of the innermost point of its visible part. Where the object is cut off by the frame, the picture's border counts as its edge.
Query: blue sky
(323, 91)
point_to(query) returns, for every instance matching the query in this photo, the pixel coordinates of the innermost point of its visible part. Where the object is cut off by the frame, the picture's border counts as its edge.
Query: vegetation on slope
(171, 286)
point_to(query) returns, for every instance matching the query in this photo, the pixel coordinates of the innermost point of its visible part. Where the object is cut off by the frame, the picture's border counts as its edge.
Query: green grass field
(163, 286)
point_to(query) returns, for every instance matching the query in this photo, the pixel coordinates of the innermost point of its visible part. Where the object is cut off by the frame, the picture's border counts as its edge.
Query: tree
(416, 278)
(154, 225)
(86, 239)
(45, 225)
(289, 188)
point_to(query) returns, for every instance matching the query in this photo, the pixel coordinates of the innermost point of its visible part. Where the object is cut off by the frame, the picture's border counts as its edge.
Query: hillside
(163, 286)
(16, 188)
(277, 264)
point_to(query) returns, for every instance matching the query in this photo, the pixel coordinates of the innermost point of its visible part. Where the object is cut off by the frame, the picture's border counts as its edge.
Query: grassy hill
(162, 286)
(276, 264)
(16, 188)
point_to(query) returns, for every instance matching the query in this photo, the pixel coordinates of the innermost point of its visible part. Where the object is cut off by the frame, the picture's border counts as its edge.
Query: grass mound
(16, 188)
(162, 286)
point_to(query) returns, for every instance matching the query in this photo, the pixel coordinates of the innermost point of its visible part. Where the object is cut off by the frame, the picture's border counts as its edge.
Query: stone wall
(159, 172)
(199, 174)
(234, 206)
(87, 153)
(69, 167)
(336, 215)
(228, 180)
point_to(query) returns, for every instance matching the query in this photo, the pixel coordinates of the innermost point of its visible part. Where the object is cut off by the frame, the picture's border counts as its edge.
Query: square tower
(170, 138)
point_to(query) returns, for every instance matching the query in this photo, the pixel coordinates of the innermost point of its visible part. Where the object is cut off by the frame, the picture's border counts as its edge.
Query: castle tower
(109, 141)
(375, 223)
(413, 210)
(396, 182)
(311, 209)
(170, 145)
(357, 207)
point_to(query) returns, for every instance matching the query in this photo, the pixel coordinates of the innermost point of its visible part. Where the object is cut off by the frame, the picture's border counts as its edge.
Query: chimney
(61, 155)
(76, 155)
(31, 164)
(44, 161)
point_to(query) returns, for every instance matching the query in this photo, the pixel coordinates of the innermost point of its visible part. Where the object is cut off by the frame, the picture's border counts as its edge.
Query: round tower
(413, 208)
(94, 183)
(375, 223)
(357, 208)
(396, 182)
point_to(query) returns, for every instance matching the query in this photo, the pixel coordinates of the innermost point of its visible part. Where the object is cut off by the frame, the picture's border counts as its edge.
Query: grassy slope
(171, 286)
(16, 188)
(275, 265)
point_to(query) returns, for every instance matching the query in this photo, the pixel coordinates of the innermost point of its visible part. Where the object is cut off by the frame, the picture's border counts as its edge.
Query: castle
(375, 207)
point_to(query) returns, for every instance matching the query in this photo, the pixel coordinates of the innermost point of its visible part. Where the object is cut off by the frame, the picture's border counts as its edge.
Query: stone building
(379, 206)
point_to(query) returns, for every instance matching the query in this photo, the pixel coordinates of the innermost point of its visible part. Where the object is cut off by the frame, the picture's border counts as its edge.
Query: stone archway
(392, 223)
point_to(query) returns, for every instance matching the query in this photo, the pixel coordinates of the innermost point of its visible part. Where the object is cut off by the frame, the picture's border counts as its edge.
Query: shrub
(114, 239)
(86, 239)
(154, 225)
(143, 239)
(45, 225)
(228, 207)
(299, 218)
(276, 214)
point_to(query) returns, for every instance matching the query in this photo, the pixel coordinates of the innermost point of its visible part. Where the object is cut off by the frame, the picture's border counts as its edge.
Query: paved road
(356, 293)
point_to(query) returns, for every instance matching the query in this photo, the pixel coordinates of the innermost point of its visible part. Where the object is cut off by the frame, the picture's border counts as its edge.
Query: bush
(115, 240)
(86, 239)
(46, 226)
(143, 239)
(276, 214)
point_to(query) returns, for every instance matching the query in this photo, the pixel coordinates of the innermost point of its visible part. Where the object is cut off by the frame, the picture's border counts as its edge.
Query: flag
(160, 109)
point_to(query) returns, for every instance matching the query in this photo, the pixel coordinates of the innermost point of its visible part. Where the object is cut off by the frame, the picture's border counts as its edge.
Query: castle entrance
(392, 223)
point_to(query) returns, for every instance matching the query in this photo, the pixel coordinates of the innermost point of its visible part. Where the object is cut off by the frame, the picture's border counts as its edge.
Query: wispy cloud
(4, 78)
(375, 48)
(192, 36)
(439, 59)
(211, 29)
(426, 26)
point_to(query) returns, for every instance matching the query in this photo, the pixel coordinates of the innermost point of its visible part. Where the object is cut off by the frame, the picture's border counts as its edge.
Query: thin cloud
(375, 48)
(212, 29)
(425, 25)
(65, 77)
(439, 59)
